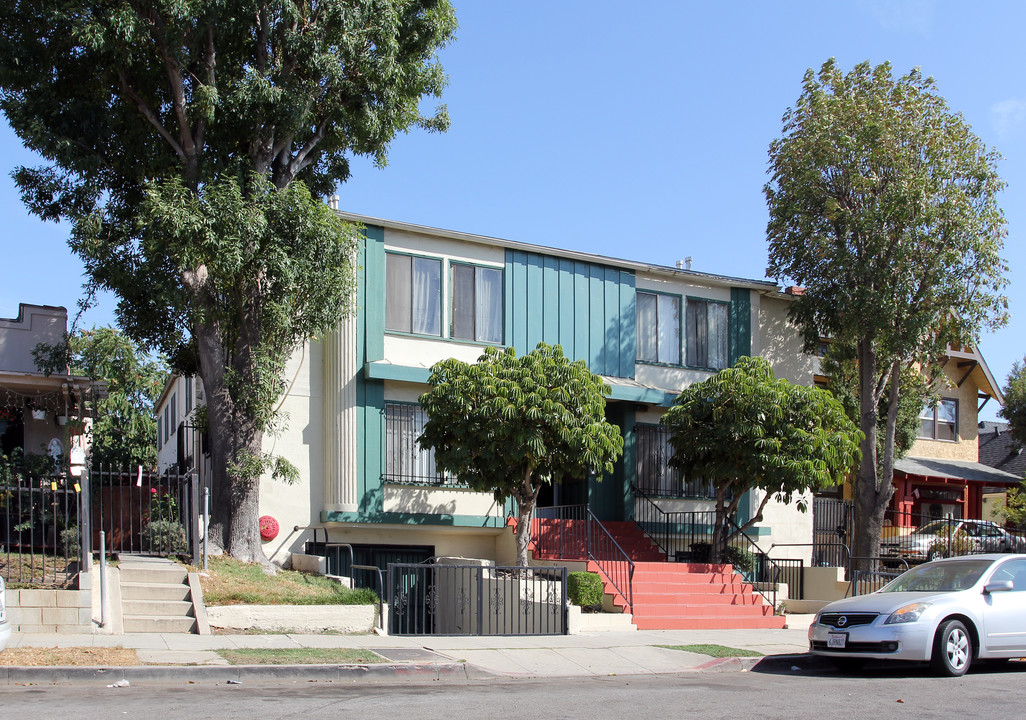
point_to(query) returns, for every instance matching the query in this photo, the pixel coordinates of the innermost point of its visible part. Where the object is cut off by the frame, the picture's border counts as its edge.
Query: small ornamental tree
(744, 429)
(512, 424)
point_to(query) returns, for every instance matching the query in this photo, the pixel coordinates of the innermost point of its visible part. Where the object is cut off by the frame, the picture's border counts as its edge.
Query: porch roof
(954, 469)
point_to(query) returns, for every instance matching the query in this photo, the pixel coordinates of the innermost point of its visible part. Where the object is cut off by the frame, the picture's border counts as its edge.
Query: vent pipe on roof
(333, 202)
(684, 264)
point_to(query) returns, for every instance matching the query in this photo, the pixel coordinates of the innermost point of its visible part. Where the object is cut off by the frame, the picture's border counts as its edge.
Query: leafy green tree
(883, 207)
(1014, 409)
(124, 432)
(744, 429)
(1014, 510)
(513, 424)
(842, 372)
(186, 141)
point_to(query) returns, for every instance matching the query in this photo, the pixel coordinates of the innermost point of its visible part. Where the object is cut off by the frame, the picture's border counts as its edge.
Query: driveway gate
(442, 599)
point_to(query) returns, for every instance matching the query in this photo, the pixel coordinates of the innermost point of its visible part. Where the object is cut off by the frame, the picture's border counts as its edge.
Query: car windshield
(949, 576)
(937, 526)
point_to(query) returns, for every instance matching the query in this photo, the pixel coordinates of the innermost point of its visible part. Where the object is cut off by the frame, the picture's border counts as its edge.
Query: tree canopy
(124, 431)
(186, 141)
(745, 429)
(1014, 409)
(510, 424)
(883, 207)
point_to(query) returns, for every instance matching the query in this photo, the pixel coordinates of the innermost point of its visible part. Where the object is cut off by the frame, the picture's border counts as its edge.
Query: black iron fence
(440, 599)
(145, 512)
(40, 526)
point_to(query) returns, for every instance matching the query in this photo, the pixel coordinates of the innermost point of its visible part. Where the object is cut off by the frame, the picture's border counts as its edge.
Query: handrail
(855, 576)
(627, 592)
(655, 538)
(381, 588)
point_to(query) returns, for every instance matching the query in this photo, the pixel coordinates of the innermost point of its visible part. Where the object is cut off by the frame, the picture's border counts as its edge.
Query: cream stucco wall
(781, 344)
(19, 336)
(301, 442)
(966, 447)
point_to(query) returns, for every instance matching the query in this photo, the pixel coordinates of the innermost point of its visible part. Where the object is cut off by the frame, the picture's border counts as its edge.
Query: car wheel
(952, 649)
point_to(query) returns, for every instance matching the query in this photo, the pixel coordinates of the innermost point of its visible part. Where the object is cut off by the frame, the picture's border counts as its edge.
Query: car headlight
(907, 613)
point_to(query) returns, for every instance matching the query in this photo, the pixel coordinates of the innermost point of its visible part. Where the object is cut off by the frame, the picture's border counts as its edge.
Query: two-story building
(427, 294)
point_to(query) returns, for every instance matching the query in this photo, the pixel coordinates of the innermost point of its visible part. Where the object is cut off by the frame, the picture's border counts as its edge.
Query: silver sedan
(948, 612)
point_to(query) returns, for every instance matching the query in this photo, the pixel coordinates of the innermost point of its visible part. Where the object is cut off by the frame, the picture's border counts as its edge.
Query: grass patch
(78, 656)
(719, 651)
(301, 656)
(230, 582)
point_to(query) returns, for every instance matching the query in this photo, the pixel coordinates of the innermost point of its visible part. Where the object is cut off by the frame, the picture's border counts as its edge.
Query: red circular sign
(268, 527)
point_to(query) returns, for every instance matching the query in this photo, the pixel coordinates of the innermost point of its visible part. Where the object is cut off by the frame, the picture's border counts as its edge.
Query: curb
(241, 674)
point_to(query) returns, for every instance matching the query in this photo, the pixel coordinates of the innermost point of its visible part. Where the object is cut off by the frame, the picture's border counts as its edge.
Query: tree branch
(147, 113)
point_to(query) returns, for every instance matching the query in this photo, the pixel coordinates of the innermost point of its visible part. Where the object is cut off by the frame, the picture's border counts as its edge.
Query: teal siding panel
(597, 326)
(535, 302)
(628, 325)
(374, 301)
(508, 298)
(586, 308)
(613, 321)
(519, 302)
(740, 342)
(567, 331)
(629, 462)
(550, 298)
(582, 312)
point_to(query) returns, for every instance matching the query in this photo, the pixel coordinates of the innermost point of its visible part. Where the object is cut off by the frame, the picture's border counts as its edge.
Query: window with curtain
(941, 422)
(658, 328)
(413, 294)
(477, 303)
(707, 334)
(405, 460)
(655, 476)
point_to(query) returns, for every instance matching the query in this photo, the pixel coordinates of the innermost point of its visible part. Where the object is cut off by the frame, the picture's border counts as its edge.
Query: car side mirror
(999, 586)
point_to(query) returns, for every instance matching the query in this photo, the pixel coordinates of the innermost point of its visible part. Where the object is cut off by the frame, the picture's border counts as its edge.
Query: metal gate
(442, 599)
(145, 512)
(834, 523)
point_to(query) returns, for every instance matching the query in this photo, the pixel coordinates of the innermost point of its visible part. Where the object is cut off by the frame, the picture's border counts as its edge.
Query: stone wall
(50, 611)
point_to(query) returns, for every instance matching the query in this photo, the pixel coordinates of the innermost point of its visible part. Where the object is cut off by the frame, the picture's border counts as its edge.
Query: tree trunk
(872, 493)
(527, 498)
(718, 535)
(235, 500)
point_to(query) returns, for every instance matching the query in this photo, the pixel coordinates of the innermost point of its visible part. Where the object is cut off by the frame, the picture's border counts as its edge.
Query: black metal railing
(570, 531)
(441, 599)
(653, 452)
(869, 574)
(40, 527)
(687, 536)
(833, 527)
(145, 512)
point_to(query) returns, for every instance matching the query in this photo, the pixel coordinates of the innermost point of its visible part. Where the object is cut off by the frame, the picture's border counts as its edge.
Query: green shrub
(742, 560)
(165, 536)
(584, 588)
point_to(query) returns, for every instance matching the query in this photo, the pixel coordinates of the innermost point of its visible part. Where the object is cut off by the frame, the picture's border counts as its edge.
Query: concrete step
(160, 574)
(692, 609)
(150, 624)
(154, 591)
(153, 608)
(607, 622)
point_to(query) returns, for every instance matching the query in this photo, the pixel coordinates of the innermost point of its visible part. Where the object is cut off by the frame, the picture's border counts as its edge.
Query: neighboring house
(945, 472)
(35, 408)
(999, 450)
(426, 295)
(176, 440)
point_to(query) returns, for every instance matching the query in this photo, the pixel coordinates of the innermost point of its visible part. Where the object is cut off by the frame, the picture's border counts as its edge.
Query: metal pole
(103, 579)
(206, 525)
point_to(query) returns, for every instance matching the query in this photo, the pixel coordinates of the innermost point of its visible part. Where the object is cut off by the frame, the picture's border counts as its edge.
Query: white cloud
(916, 15)
(1007, 115)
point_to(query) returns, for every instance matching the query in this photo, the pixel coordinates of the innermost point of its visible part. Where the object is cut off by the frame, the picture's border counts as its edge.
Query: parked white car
(5, 620)
(950, 612)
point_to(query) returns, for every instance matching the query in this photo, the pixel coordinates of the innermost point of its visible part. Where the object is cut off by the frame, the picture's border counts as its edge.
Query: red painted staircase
(667, 595)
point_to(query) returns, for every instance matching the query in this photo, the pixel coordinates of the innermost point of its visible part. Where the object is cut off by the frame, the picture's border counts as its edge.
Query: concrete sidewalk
(179, 657)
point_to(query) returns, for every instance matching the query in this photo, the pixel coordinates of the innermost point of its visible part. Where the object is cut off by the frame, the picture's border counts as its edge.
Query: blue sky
(635, 130)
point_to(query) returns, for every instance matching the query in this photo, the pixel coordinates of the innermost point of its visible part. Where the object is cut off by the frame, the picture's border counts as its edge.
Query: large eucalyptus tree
(187, 142)
(883, 207)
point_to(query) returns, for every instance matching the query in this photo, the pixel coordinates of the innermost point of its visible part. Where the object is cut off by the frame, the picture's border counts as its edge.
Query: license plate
(836, 641)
